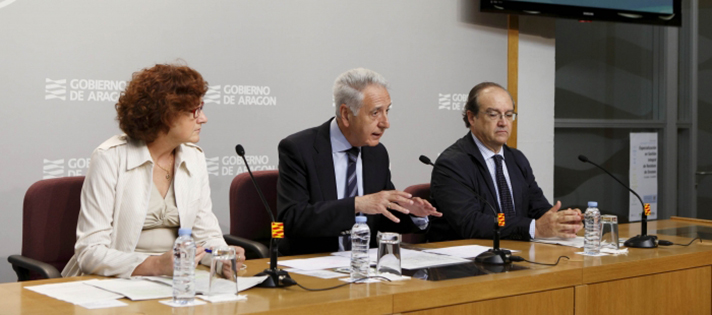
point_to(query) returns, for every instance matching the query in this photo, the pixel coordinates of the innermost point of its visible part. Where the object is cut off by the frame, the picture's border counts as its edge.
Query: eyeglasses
(197, 111)
(495, 115)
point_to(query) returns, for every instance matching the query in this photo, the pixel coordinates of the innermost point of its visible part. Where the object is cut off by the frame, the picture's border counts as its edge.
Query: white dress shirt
(339, 144)
(488, 155)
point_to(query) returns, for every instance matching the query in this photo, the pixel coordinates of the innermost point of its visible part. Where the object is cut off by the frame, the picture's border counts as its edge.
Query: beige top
(115, 197)
(160, 229)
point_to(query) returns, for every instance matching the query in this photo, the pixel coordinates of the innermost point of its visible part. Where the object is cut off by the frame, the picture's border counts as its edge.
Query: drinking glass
(389, 256)
(609, 231)
(223, 271)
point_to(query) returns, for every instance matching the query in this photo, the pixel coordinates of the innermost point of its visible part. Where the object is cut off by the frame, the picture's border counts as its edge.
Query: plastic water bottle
(360, 240)
(592, 239)
(184, 267)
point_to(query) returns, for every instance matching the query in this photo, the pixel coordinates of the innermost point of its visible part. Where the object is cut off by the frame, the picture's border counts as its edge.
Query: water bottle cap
(593, 204)
(185, 231)
(360, 219)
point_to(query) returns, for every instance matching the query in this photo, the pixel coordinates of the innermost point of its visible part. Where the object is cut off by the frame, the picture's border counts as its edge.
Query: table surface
(415, 294)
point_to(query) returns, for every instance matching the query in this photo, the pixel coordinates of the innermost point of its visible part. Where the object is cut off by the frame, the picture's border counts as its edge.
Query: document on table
(413, 259)
(575, 242)
(571, 242)
(76, 292)
(317, 263)
(372, 255)
(466, 251)
(223, 286)
(136, 289)
(99, 293)
(324, 274)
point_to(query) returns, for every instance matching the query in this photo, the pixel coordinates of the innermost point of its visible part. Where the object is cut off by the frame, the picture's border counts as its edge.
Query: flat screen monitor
(657, 12)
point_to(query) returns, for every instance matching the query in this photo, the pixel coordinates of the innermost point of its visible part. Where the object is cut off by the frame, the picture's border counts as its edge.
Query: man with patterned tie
(481, 162)
(331, 173)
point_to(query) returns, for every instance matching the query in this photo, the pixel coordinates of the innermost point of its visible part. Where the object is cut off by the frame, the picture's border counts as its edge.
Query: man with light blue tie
(481, 162)
(331, 173)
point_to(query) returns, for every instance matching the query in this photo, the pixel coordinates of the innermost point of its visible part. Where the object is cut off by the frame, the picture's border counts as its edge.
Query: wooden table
(667, 280)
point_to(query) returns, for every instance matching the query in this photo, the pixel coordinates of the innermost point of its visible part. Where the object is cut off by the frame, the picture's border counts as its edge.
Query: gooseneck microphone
(275, 275)
(639, 241)
(425, 160)
(241, 152)
(494, 256)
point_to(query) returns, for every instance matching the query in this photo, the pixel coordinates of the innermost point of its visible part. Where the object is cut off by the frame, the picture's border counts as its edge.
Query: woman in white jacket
(144, 185)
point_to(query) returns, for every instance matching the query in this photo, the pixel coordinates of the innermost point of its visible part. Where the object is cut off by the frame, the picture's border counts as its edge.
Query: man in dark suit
(481, 162)
(331, 173)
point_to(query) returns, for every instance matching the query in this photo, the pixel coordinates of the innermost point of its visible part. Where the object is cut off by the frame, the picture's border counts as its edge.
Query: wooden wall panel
(679, 292)
(555, 302)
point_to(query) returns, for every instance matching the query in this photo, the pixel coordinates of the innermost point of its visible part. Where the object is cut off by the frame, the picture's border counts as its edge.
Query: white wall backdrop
(537, 69)
(63, 64)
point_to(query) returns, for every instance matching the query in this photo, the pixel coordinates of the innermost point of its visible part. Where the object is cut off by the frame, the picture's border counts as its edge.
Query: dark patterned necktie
(351, 181)
(505, 196)
(351, 191)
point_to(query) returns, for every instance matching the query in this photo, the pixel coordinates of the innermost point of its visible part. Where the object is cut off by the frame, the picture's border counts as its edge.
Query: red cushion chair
(49, 228)
(250, 225)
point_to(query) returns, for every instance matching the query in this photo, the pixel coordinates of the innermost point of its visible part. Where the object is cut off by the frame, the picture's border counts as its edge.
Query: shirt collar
(138, 155)
(338, 140)
(185, 159)
(486, 152)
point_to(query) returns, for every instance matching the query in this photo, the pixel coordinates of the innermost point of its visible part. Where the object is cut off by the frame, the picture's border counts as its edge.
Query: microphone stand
(639, 241)
(275, 275)
(495, 255)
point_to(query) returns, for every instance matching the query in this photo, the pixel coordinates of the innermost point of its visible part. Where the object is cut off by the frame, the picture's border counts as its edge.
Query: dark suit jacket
(306, 203)
(464, 216)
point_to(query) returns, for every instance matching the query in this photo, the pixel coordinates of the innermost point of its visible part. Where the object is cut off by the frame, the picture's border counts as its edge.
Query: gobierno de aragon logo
(83, 90)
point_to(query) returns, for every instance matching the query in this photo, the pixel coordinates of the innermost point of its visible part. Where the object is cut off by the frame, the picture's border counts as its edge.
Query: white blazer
(114, 203)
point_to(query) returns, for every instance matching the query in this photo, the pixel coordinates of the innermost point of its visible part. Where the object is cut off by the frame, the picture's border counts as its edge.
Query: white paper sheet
(577, 242)
(412, 259)
(99, 293)
(372, 255)
(613, 251)
(571, 242)
(135, 289)
(388, 276)
(466, 251)
(170, 303)
(324, 274)
(594, 255)
(222, 298)
(317, 263)
(75, 292)
(202, 283)
(102, 304)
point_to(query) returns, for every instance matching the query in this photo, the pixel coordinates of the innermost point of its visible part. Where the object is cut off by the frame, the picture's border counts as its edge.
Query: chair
(422, 191)
(49, 228)
(249, 222)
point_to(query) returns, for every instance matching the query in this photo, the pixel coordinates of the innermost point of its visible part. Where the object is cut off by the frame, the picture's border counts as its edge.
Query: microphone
(276, 277)
(425, 160)
(494, 256)
(639, 241)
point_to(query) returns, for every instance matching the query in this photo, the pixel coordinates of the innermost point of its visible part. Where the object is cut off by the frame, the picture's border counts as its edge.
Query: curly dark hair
(155, 97)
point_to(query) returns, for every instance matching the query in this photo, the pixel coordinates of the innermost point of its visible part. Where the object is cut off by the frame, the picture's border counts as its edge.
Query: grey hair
(349, 86)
